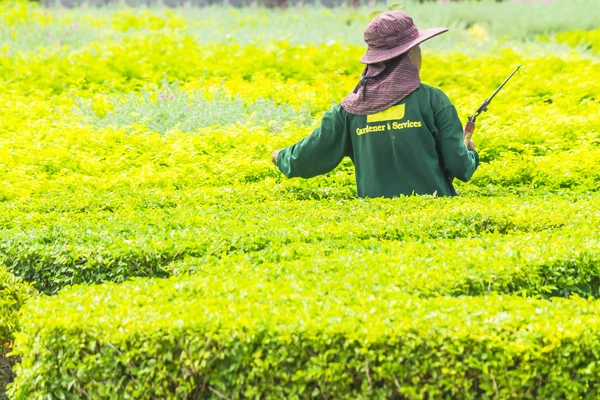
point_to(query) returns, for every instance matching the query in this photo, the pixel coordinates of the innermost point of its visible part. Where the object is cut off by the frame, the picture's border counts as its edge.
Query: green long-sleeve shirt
(410, 148)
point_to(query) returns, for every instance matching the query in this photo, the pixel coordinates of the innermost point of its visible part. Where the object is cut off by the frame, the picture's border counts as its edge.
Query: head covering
(390, 75)
(393, 33)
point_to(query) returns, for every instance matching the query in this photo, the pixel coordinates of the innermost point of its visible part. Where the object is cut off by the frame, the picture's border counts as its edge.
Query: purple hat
(393, 33)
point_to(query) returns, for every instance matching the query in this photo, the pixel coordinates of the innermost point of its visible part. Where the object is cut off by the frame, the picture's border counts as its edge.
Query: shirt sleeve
(320, 152)
(458, 161)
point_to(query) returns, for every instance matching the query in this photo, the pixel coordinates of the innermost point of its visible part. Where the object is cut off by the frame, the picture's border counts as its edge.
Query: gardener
(404, 137)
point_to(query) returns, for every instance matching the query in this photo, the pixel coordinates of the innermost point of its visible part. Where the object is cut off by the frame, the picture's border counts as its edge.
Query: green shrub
(549, 264)
(141, 238)
(13, 294)
(241, 337)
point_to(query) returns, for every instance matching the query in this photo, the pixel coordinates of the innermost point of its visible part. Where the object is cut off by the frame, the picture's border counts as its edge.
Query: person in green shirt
(403, 136)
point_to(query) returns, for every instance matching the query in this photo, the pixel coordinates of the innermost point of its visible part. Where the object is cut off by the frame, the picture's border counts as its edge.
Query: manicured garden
(150, 249)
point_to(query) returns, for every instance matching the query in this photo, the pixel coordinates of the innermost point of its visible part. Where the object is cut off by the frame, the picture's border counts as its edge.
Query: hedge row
(108, 163)
(542, 134)
(13, 294)
(54, 249)
(232, 337)
(550, 264)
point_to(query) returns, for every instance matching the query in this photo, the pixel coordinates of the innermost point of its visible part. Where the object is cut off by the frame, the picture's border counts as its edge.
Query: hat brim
(374, 55)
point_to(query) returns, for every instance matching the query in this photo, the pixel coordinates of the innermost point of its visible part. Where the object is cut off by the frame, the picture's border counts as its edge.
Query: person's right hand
(471, 145)
(274, 156)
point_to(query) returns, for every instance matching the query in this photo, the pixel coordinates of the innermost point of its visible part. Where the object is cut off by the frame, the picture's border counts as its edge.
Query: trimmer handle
(469, 129)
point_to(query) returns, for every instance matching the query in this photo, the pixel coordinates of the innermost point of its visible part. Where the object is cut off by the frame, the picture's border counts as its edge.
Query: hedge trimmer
(470, 126)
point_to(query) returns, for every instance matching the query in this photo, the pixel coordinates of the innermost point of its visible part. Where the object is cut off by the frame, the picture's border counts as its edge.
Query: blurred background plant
(482, 24)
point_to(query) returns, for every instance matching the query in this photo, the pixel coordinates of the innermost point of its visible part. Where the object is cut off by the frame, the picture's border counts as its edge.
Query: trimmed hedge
(550, 264)
(55, 249)
(13, 294)
(241, 337)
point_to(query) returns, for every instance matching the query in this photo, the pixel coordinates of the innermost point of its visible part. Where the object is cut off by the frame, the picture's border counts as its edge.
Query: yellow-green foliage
(291, 337)
(13, 294)
(123, 238)
(590, 39)
(132, 149)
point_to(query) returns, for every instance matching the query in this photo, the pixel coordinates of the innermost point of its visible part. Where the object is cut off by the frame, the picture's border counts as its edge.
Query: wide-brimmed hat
(391, 34)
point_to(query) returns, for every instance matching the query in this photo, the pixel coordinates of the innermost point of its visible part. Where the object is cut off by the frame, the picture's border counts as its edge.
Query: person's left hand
(274, 156)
